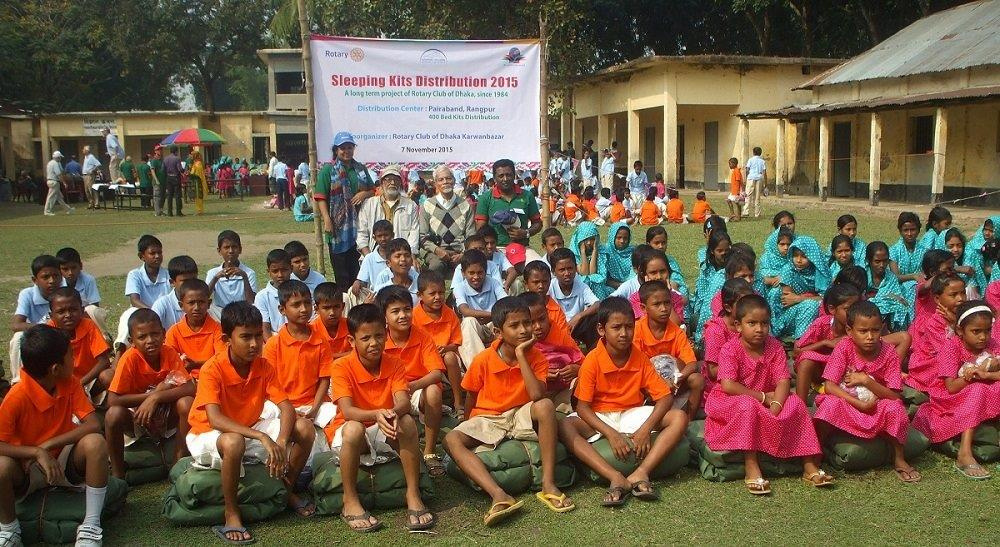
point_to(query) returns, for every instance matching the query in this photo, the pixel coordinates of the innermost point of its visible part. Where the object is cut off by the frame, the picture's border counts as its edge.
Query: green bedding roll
(51, 515)
(195, 497)
(517, 467)
(379, 487)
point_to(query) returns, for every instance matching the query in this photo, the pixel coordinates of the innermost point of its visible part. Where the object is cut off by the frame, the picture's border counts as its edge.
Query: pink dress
(929, 337)
(947, 415)
(717, 334)
(558, 357)
(925, 306)
(740, 422)
(676, 298)
(820, 329)
(992, 295)
(890, 415)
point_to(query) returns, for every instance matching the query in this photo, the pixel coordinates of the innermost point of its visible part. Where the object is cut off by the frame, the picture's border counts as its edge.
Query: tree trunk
(762, 29)
(866, 14)
(802, 12)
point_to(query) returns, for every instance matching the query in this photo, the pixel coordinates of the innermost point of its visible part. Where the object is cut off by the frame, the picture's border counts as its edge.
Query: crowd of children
(602, 340)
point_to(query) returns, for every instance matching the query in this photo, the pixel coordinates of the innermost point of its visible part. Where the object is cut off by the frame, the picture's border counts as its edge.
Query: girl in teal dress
(775, 257)
(591, 260)
(657, 238)
(974, 252)
(884, 289)
(711, 276)
(953, 241)
(907, 255)
(841, 254)
(848, 225)
(618, 252)
(803, 281)
(938, 221)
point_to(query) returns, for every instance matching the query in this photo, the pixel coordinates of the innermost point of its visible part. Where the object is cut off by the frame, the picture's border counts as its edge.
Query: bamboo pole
(543, 114)
(311, 131)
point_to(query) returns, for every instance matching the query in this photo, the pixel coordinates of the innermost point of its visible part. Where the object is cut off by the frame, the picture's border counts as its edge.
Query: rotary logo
(513, 56)
(433, 57)
(357, 55)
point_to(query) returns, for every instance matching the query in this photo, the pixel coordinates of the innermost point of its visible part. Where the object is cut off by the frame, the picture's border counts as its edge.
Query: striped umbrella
(194, 136)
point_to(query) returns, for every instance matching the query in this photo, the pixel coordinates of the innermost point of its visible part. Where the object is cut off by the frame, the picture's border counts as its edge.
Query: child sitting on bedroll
(424, 367)
(538, 279)
(862, 385)
(91, 353)
(560, 350)
(841, 254)
(373, 263)
(373, 420)
(151, 393)
(71, 266)
(701, 208)
(813, 348)
(649, 213)
(401, 273)
(614, 383)
(234, 416)
(506, 387)
(33, 306)
(301, 356)
(231, 281)
(803, 281)
(475, 296)
(906, 255)
(966, 392)
(442, 324)
(143, 285)
(752, 410)
(721, 329)
(168, 307)
(666, 345)
(938, 222)
(196, 337)
(267, 302)
(884, 289)
(50, 436)
(930, 336)
(847, 225)
(299, 256)
(329, 320)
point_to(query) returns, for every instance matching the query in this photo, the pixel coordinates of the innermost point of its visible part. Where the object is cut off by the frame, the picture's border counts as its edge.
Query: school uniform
(267, 302)
(137, 282)
(475, 335)
(35, 308)
(86, 285)
(229, 289)
(384, 279)
(419, 356)
(312, 280)
(88, 344)
(337, 341)
(197, 345)
(134, 375)
(168, 307)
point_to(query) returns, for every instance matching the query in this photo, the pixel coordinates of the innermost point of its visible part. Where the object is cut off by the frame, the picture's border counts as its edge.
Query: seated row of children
(651, 209)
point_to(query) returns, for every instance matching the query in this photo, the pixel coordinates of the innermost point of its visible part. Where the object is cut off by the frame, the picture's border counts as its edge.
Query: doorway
(711, 156)
(840, 160)
(649, 152)
(680, 156)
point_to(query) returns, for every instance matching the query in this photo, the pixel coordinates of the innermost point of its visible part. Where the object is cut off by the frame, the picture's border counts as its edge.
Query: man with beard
(524, 219)
(391, 204)
(445, 222)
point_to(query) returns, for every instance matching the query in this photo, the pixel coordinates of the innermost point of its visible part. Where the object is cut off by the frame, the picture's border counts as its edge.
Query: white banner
(424, 102)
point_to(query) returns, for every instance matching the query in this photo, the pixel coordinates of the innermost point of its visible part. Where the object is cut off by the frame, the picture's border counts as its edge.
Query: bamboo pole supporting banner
(311, 131)
(543, 115)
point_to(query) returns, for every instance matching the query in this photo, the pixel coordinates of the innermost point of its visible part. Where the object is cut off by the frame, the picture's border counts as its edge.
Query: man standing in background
(173, 169)
(756, 179)
(90, 167)
(53, 172)
(116, 152)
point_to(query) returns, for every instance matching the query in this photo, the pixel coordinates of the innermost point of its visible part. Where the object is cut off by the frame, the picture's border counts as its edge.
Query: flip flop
(496, 516)
(434, 466)
(417, 527)
(825, 479)
(964, 470)
(644, 495)
(221, 531)
(348, 519)
(620, 493)
(547, 499)
(908, 475)
(759, 486)
(304, 506)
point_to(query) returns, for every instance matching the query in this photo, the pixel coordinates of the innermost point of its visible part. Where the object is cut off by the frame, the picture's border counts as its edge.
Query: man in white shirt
(391, 205)
(608, 170)
(116, 152)
(270, 172)
(638, 186)
(756, 177)
(89, 170)
(280, 173)
(53, 171)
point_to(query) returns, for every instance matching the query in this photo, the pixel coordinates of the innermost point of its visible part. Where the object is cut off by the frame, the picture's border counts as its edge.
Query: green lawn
(863, 508)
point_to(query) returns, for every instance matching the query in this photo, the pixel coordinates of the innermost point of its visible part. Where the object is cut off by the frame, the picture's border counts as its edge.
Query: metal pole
(543, 114)
(311, 131)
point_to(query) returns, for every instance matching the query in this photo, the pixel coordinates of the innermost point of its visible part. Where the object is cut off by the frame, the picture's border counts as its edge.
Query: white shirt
(579, 297)
(267, 302)
(602, 205)
(53, 170)
(627, 288)
(756, 168)
(492, 270)
(312, 280)
(32, 305)
(482, 300)
(638, 183)
(270, 166)
(86, 285)
(404, 221)
(169, 309)
(608, 166)
(280, 171)
(137, 282)
(230, 289)
(304, 171)
(89, 164)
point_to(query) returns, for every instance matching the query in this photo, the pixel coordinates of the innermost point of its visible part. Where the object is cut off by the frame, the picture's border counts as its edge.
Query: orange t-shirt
(571, 206)
(649, 215)
(499, 386)
(299, 364)
(30, 415)
(609, 388)
(674, 341)
(445, 330)
(240, 399)
(420, 355)
(134, 375)
(700, 210)
(88, 344)
(475, 176)
(367, 392)
(590, 209)
(198, 345)
(735, 181)
(559, 334)
(675, 210)
(338, 342)
(617, 212)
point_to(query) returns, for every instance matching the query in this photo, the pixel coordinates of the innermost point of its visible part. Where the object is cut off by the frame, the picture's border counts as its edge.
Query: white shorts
(379, 450)
(205, 450)
(733, 198)
(325, 415)
(625, 422)
(415, 402)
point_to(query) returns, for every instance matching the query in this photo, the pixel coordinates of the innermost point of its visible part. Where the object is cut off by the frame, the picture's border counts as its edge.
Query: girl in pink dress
(930, 334)
(967, 390)
(935, 262)
(653, 265)
(721, 328)
(813, 350)
(863, 381)
(753, 410)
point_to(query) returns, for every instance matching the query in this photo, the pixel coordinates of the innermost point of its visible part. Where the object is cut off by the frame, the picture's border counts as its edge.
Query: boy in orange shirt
(667, 346)
(506, 386)
(91, 352)
(735, 189)
(614, 382)
(561, 352)
(675, 207)
(618, 209)
(424, 367)
(196, 337)
(329, 321)
(301, 356)
(538, 279)
(590, 206)
(649, 214)
(572, 206)
(240, 410)
(373, 420)
(150, 394)
(441, 322)
(41, 445)
(701, 208)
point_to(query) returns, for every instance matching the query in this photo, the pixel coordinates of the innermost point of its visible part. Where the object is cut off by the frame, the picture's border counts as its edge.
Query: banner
(422, 103)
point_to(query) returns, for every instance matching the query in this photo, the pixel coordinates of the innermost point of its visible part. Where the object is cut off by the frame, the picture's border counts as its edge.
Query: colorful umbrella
(193, 137)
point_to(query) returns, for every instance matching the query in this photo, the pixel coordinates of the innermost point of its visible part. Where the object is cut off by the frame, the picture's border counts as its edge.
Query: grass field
(863, 508)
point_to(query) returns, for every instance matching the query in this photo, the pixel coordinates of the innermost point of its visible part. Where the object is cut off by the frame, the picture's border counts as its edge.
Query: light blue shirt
(169, 309)
(304, 171)
(384, 279)
(90, 163)
(492, 270)
(32, 305)
(627, 288)
(312, 280)
(86, 285)
(230, 289)
(756, 168)
(139, 283)
(483, 300)
(280, 171)
(638, 183)
(267, 302)
(114, 148)
(579, 297)
(371, 265)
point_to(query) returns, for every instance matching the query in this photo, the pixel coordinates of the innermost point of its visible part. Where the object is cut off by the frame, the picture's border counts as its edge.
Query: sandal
(363, 516)
(304, 508)
(759, 486)
(496, 516)
(645, 495)
(435, 468)
(819, 479)
(908, 475)
(10, 539)
(549, 499)
(221, 532)
(964, 470)
(619, 496)
(418, 526)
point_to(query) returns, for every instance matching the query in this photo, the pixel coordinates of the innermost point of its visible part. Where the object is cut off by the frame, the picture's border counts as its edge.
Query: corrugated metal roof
(965, 96)
(957, 38)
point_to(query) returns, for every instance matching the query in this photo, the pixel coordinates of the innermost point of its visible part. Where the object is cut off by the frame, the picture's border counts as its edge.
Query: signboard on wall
(422, 103)
(92, 126)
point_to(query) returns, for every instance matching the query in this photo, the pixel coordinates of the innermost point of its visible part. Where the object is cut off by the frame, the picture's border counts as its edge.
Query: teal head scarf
(619, 260)
(771, 262)
(816, 278)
